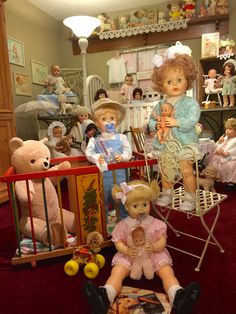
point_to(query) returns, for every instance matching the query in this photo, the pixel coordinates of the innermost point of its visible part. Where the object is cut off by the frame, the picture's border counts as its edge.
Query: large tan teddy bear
(32, 156)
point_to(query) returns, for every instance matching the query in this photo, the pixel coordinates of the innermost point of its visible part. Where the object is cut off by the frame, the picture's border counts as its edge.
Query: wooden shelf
(196, 27)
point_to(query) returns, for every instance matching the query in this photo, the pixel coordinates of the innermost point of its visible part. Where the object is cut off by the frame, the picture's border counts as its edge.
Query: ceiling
(60, 9)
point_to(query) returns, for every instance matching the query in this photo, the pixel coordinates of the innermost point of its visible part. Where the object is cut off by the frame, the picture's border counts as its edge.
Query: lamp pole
(83, 44)
(83, 26)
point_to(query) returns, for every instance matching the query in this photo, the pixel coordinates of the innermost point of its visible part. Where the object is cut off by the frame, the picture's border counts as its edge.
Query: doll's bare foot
(231, 105)
(185, 298)
(225, 105)
(97, 298)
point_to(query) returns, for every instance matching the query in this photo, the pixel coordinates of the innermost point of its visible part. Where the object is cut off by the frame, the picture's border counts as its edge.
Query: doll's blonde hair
(142, 191)
(230, 123)
(101, 111)
(181, 62)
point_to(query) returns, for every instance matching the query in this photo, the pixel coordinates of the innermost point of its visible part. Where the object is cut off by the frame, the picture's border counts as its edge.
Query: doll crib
(80, 192)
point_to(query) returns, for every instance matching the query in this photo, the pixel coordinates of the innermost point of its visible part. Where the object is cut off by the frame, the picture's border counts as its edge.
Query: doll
(127, 89)
(223, 158)
(82, 113)
(163, 131)
(189, 9)
(59, 142)
(108, 115)
(141, 262)
(229, 83)
(211, 82)
(137, 93)
(136, 196)
(90, 131)
(173, 75)
(175, 11)
(55, 79)
(100, 93)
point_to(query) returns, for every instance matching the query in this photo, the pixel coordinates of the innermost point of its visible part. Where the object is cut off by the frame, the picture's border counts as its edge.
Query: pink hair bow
(125, 190)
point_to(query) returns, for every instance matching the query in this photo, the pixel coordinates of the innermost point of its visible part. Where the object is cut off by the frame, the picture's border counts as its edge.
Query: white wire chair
(169, 169)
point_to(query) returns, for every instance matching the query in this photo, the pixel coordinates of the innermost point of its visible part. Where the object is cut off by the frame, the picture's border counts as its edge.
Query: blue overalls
(108, 176)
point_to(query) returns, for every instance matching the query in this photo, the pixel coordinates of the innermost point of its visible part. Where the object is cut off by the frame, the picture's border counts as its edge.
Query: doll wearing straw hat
(108, 115)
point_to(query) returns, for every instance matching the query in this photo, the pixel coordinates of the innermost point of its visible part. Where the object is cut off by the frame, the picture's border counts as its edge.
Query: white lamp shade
(81, 25)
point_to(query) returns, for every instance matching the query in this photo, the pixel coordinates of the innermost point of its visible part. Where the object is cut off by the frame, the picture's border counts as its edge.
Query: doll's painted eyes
(47, 158)
(32, 161)
(135, 206)
(179, 80)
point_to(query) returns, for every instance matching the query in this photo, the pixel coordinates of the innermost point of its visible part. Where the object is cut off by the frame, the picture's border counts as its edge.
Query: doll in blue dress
(173, 75)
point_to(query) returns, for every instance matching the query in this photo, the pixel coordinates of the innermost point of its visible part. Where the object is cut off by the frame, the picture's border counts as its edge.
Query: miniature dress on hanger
(117, 69)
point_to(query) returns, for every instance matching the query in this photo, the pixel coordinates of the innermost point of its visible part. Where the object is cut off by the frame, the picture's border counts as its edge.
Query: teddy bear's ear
(44, 140)
(15, 143)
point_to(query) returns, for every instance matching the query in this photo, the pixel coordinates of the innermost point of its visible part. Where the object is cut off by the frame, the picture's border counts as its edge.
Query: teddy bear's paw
(57, 235)
(64, 165)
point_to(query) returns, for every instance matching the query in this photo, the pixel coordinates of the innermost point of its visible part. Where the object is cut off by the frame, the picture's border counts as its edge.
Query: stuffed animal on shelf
(189, 9)
(64, 106)
(207, 182)
(29, 157)
(175, 11)
(141, 263)
(161, 18)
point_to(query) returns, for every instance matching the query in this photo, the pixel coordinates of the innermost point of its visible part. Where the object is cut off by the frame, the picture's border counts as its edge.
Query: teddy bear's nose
(46, 164)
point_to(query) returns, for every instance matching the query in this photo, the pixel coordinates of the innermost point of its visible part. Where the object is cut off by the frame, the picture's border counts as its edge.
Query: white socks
(172, 292)
(111, 293)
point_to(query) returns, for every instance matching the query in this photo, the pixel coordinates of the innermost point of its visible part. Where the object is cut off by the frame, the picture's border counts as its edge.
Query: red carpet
(46, 289)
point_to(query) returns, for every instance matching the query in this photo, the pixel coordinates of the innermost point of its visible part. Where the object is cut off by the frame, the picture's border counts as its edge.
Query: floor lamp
(83, 26)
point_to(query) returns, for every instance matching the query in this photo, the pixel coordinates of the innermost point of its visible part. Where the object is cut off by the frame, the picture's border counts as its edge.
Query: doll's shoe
(187, 206)
(165, 198)
(97, 298)
(186, 298)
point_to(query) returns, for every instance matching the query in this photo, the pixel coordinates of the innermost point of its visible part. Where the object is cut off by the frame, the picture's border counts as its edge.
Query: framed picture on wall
(16, 51)
(22, 84)
(39, 72)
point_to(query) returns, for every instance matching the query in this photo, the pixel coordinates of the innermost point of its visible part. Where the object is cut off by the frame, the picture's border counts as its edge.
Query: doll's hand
(221, 139)
(220, 152)
(170, 122)
(132, 251)
(101, 160)
(118, 158)
(149, 248)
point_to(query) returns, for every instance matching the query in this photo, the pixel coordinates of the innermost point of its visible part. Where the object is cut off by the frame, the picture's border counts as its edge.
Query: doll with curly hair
(137, 196)
(173, 75)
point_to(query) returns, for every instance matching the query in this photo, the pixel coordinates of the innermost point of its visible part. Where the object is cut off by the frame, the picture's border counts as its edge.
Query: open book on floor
(138, 301)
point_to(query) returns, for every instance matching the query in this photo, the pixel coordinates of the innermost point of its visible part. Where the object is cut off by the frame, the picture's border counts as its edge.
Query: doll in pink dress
(223, 158)
(137, 196)
(126, 89)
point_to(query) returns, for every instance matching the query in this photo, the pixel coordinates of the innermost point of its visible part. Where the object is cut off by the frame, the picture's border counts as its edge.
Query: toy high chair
(209, 92)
